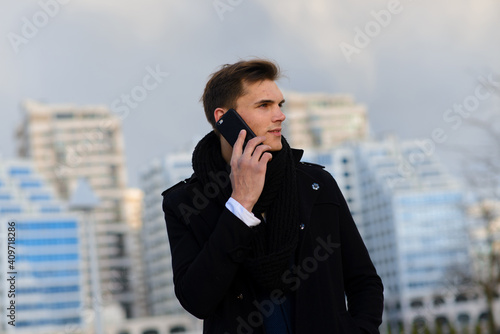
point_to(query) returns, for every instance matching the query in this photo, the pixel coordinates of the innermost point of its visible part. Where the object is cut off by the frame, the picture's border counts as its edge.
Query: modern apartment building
(412, 215)
(133, 215)
(317, 120)
(67, 142)
(157, 176)
(42, 278)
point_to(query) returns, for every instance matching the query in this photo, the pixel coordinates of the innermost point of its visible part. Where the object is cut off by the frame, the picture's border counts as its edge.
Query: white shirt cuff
(239, 211)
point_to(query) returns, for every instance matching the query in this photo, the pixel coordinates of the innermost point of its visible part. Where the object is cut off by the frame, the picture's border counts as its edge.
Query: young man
(261, 242)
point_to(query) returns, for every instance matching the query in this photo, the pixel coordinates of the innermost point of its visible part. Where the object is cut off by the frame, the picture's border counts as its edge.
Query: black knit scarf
(276, 237)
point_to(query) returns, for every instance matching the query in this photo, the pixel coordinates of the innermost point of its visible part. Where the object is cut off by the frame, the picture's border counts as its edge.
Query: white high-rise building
(156, 177)
(133, 215)
(42, 278)
(412, 217)
(323, 121)
(67, 142)
(159, 175)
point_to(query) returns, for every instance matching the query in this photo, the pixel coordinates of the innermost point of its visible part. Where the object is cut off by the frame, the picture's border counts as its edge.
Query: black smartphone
(230, 125)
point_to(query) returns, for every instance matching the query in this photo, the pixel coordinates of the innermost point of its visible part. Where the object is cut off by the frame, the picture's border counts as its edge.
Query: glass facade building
(155, 178)
(412, 217)
(67, 142)
(42, 274)
(320, 120)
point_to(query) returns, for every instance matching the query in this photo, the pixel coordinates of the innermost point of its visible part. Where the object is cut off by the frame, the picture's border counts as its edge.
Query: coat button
(240, 296)
(315, 186)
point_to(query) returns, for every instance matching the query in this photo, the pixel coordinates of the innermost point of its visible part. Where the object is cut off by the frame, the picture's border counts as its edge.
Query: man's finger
(260, 150)
(266, 157)
(238, 144)
(252, 144)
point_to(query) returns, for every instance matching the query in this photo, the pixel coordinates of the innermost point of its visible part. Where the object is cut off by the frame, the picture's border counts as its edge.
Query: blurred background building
(49, 260)
(319, 120)
(66, 142)
(133, 204)
(157, 176)
(411, 213)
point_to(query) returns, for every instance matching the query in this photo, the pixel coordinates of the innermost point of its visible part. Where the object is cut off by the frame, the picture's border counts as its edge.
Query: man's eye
(263, 105)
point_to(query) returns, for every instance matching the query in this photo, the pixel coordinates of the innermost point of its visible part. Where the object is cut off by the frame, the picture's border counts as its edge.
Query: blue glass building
(411, 214)
(48, 260)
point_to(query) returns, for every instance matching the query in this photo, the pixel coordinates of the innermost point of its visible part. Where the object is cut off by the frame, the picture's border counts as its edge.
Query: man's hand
(248, 169)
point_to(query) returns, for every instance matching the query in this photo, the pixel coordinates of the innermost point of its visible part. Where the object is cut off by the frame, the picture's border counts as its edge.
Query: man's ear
(218, 113)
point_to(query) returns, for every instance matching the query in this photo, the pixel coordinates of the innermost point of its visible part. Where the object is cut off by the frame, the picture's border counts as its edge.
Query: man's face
(260, 107)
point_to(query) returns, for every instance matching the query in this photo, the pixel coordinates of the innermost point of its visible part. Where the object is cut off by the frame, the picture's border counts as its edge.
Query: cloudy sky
(408, 61)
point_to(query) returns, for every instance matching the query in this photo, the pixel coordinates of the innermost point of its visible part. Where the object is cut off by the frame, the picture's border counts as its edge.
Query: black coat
(209, 244)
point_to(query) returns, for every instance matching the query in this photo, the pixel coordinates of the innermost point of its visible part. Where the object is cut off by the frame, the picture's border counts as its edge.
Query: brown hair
(226, 85)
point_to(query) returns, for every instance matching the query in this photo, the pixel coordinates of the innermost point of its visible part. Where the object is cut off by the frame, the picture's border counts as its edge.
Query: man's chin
(276, 148)
(275, 144)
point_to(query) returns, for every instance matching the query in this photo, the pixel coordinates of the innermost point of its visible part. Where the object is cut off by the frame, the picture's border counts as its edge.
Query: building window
(31, 184)
(419, 323)
(50, 209)
(19, 171)
(5, 196)
(460, 298)
(90, 115)
(127, 307)
(64, 116)
(438, 300)
(416, 303)
(12, 209)
(442, 322)
(120, 245)
(463, 319)
(150, 331)
(40, 197)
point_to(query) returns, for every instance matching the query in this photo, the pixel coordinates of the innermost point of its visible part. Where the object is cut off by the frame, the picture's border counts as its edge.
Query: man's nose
(279, 116)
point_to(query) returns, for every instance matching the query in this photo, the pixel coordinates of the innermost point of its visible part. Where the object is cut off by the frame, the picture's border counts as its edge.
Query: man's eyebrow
(269, 101)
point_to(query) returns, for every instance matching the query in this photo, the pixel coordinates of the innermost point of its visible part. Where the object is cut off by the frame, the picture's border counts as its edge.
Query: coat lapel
(308, 189)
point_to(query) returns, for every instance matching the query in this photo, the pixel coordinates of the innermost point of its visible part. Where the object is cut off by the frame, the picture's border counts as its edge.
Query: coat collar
(297, 154)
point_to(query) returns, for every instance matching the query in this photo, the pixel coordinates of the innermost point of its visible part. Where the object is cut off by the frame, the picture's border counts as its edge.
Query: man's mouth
(276, 132)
